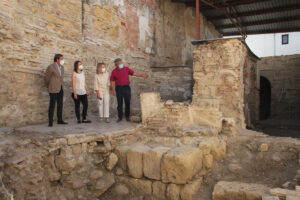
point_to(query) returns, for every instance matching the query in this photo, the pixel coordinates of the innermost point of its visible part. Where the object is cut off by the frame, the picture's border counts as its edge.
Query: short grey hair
(117, 60)
(98, 67)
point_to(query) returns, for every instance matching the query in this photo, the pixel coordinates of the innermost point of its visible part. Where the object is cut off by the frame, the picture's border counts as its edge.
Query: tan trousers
(103, 106)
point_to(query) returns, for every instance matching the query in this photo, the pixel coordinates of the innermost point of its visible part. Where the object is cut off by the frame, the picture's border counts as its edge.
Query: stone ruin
(181, 151)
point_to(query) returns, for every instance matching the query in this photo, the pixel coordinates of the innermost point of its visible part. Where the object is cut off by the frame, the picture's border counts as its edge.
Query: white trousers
(103, 106)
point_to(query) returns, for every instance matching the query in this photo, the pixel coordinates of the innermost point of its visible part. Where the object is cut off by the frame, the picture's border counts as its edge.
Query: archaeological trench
(181, 150)
(196, 139)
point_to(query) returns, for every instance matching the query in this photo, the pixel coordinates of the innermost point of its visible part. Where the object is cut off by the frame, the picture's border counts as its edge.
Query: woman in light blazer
(101, 87)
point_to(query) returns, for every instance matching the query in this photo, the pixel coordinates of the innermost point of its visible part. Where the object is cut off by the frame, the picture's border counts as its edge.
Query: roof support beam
(231, 3)
(286, 30)
(261, 22)
(258, 12)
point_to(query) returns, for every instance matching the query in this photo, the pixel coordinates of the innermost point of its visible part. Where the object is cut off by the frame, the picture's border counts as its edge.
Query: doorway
(265, 98)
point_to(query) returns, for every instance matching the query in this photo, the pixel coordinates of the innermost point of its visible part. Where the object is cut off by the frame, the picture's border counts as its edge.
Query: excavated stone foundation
(180, 151)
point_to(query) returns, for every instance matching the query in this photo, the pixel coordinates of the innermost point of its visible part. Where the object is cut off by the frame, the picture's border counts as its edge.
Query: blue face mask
(121, 66)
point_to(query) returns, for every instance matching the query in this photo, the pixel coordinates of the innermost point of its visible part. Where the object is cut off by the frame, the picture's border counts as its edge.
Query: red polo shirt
(121, 76)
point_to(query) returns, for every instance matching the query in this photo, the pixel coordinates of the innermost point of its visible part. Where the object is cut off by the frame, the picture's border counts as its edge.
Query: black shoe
(79, 121)
(119, 120)
(128, 119)
(86, 121)
(50, 124)
(62, 122)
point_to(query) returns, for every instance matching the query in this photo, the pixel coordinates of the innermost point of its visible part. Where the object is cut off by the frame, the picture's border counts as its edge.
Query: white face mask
(80, 67)
(103, 70)
(62, 62)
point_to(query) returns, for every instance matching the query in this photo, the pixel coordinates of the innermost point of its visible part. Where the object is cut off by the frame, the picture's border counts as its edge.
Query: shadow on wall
(173, 82)
(265, 98)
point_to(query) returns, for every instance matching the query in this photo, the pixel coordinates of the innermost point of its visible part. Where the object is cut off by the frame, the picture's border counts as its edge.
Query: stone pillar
(218, 74)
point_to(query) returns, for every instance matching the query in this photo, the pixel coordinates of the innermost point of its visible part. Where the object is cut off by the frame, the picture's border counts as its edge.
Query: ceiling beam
(286, 30)
(261, 22)
(258, 12)
(231, 3)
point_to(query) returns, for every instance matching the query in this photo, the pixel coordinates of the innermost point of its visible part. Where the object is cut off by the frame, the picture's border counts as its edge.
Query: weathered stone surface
(236, 191)
(121, 190)
(135, 160)
(229, 127)
(121, 152)
(159, 190)
(268, 197)
(283, 193)
(103, 184)
(213, 145)
(189, 190)
(173, 192)
(263, 147)
(65, 161)
(136, 186)
(180, 164)
(218, 69)
(289, 197)
(112, 161)
(208, 161)
(96, 174)
(278, 69)
(152, 162)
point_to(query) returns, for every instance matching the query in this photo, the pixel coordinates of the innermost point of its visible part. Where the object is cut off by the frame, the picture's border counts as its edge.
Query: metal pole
(198, 20)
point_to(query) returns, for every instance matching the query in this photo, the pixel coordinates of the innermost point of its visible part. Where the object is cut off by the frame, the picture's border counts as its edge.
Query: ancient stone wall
(224, 87)
(218, 73)
(173, 82)
(144, 33)
(283, 73)
(251, 90)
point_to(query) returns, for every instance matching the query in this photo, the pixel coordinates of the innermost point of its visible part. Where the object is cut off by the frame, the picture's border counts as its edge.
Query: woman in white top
(80, 92)
(101, 87)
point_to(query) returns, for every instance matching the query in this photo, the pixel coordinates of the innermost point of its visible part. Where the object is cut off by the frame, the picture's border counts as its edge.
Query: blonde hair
(98, 67)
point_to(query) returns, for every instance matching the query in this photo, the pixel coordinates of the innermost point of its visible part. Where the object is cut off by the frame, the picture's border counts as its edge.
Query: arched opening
(264, 98)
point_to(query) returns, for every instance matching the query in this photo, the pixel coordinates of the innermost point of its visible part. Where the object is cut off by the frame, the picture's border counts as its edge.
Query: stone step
(238, 191)
(284, 193)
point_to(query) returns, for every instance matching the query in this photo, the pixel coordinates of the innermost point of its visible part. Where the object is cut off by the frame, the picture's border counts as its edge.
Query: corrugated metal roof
(256, 16)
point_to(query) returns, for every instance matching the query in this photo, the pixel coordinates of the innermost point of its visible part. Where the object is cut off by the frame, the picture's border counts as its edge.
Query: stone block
(136, 186)
(121, 152)
(283, 193)
(268, 197)
(214, 145)
(263, 147)
(189, 190)
(180, 164)
(121, 190)
(173, 192)
(224, 190)
(159, 190)
(103, 184)
(135, 160)
(229, 127)
(208, 161)
(289, 197)
(152, 162)
(111, 161)
(96, 174)
(65, 163)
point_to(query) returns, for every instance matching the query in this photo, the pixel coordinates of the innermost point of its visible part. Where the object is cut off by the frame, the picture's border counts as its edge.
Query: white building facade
(277, 44)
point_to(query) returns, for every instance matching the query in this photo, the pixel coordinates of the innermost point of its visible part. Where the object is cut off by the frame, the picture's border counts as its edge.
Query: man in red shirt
(120, 86)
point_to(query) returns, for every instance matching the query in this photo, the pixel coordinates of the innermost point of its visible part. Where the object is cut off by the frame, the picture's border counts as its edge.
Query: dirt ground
(245, 163)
